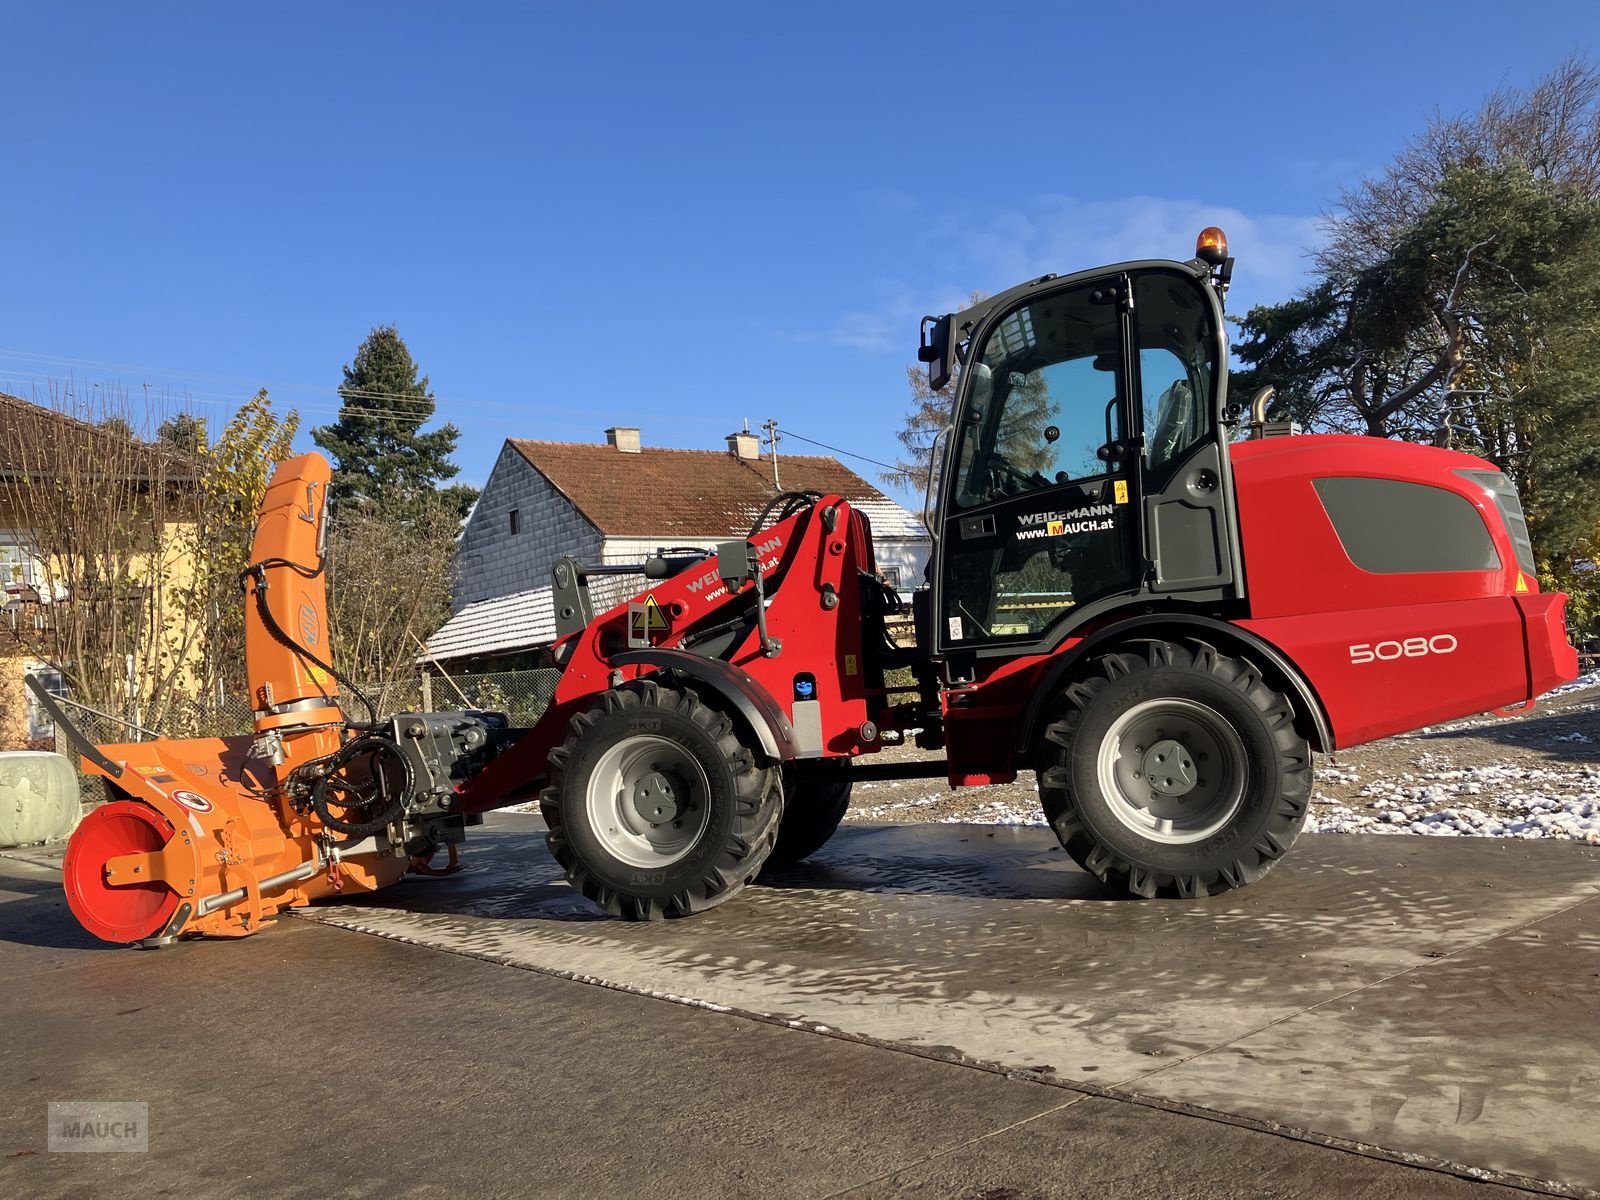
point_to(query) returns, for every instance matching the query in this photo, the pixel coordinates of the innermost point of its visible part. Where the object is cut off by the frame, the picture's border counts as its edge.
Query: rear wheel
(815, 797)
(1170, 769)
(658, 806)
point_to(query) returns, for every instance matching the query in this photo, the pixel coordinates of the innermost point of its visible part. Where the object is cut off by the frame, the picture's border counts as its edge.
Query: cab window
(1043, 400)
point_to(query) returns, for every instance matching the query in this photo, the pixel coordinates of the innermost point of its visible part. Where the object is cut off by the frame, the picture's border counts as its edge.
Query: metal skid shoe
(174, 928)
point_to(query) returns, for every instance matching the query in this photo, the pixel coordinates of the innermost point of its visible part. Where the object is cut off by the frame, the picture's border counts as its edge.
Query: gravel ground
(1531, 775)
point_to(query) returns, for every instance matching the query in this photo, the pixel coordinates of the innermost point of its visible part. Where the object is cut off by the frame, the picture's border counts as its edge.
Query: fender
(1268, 653)
(752, 701)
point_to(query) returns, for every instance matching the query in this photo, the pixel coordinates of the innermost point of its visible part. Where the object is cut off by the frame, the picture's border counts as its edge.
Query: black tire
(815, 798)
(1148, 817)
(690, 765)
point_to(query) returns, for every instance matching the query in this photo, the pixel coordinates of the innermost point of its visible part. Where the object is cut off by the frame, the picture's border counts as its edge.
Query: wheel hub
(1169, 768)
(657, 797)
(1172, 770)
(648, 801)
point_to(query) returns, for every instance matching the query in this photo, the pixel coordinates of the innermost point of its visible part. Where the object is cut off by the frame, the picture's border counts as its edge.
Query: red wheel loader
(1136, 591)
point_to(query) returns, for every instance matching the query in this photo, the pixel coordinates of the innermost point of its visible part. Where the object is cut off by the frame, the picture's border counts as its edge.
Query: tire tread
(1077, 835)
(757, 807)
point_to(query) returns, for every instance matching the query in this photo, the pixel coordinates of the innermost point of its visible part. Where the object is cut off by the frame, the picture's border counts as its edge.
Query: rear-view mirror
(936, 350)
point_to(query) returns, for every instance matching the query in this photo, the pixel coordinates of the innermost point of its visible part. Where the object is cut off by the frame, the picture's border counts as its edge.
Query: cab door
(1088, 466)
(1190, 526)
(1040, 510)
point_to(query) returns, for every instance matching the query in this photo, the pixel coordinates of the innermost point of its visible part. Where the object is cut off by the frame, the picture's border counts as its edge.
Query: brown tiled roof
(694, 493)
(38, 441)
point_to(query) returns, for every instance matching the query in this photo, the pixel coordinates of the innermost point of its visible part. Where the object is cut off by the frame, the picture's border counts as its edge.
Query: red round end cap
(117, 914)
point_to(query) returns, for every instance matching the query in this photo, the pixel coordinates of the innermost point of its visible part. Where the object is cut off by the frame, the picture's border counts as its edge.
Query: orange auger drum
(214, 835)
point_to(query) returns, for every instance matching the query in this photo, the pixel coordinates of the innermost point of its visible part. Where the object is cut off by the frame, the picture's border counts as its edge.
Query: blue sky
(673, 216)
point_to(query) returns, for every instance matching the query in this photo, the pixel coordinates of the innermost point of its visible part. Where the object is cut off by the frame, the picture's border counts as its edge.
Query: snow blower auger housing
(1161, 620)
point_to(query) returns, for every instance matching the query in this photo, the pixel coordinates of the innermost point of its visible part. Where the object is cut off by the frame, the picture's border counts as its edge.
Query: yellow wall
(13, 704)
(173, 569)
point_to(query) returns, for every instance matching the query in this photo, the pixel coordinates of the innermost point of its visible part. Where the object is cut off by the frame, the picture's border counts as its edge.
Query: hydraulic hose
(789, 502)
(381, 749)
(258, 572)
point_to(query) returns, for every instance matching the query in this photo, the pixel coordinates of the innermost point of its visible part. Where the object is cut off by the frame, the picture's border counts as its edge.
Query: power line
(445, 406)
(280, 386)
(847, 453)
(376, 410)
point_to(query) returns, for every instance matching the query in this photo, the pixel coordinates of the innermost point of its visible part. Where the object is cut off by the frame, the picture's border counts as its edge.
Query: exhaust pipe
(1258, 407)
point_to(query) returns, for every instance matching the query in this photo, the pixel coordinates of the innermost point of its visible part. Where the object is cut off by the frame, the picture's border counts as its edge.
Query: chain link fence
(522, 695)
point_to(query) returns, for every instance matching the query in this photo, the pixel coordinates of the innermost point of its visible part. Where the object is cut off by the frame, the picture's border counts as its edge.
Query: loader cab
(1086, 463)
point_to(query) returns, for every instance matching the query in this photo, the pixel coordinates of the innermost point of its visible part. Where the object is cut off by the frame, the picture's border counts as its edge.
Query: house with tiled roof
(620, 501)
(91, 522)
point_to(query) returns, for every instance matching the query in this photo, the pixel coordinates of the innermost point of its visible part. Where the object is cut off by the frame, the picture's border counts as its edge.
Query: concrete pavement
(1433, 999)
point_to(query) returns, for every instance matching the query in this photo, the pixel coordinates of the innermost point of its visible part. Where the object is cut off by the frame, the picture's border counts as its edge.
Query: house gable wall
(491, 560)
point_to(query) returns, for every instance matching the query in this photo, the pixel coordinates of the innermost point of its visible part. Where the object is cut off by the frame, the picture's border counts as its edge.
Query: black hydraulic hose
(258, 572)
(743, 620)
(791, 502)
(379, 748)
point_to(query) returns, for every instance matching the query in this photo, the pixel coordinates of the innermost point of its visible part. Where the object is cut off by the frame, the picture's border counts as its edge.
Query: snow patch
(1592, 679)
(999, 812)
(1530, 802)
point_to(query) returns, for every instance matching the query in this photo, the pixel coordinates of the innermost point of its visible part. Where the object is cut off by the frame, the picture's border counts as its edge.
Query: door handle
(1120, 448)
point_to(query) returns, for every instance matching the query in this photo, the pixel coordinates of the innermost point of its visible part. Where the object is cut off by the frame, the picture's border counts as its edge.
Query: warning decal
(192, 800)
(646, 619)
(1522, 582)
(1119, 491)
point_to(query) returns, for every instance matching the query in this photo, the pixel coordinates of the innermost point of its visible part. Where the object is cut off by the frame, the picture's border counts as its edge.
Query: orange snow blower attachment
(214, 835)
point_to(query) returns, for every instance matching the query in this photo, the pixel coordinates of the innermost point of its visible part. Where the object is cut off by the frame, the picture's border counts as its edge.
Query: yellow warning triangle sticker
(650, 618)
(1522, 582)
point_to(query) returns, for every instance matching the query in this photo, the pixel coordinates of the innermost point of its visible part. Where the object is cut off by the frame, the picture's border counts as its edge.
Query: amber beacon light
(1211, 246)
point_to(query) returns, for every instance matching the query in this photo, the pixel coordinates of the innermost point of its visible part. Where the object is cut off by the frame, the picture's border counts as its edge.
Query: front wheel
(1171, 769)
(657, 806)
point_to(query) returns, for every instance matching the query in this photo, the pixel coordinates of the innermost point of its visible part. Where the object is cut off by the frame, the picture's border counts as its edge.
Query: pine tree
(183, 431)
(929, 413)
(382, 460)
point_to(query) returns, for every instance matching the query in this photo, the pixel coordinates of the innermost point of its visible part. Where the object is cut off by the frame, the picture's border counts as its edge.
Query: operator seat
(1174, 420)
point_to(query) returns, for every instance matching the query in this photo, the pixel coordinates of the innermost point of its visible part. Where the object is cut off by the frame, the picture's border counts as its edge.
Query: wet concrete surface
(1432, 997)
(314, 1062)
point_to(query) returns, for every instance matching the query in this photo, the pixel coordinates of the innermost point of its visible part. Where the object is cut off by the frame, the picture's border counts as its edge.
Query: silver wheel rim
(1172, 770)
(647, 801)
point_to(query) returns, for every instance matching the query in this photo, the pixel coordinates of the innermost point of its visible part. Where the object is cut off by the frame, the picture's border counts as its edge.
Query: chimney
(744, 444)
(623, 438)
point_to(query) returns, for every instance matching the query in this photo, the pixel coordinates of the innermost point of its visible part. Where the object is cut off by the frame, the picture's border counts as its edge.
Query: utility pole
(771, 426)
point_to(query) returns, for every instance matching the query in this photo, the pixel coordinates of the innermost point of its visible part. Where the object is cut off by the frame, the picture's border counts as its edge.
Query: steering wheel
(1002, 473)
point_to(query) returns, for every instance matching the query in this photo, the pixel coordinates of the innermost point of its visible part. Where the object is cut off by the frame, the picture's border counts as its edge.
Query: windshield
(1043, 399)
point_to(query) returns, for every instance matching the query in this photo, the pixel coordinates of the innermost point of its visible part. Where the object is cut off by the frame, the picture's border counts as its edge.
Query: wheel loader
(1140, 590)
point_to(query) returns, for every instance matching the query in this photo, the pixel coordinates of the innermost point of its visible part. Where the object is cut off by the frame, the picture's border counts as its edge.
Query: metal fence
(522, 695)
